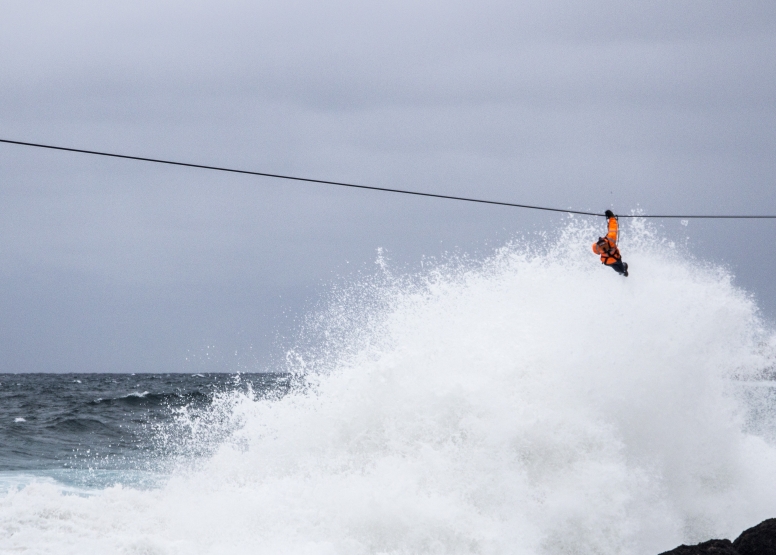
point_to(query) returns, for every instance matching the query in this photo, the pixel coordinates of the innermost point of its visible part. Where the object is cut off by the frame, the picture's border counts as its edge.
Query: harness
(609, 249)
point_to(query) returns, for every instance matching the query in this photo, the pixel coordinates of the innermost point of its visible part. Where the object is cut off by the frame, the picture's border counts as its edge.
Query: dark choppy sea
(95, 430)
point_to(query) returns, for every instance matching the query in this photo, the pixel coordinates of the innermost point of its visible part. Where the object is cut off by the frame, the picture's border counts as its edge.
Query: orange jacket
(607, 246)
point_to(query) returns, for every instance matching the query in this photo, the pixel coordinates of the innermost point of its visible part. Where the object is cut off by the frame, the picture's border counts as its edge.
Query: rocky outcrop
(760, 540)
(711, 547)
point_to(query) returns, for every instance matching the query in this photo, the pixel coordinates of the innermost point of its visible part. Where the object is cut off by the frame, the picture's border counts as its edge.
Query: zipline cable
(355, 186)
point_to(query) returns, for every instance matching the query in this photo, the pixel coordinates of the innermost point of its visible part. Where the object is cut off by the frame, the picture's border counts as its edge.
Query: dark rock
(711, 547)
(760, 540)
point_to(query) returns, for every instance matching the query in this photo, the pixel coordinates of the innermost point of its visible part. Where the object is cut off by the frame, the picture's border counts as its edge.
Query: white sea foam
(537, 403)
(15, 480)
(135, 394)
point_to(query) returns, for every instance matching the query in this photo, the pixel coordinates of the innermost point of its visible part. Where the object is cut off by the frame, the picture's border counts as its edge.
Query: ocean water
(91, 431)
(530, 403)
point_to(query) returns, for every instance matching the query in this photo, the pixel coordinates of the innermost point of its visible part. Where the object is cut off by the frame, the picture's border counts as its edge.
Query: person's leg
(619, 267)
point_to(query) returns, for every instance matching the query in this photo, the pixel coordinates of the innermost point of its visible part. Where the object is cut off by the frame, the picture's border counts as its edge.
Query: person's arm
(613, 227)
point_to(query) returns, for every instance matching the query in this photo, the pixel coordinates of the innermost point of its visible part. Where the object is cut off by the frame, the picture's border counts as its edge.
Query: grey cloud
(667, 106)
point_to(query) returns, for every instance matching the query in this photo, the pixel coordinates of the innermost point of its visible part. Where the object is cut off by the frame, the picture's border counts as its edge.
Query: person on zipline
(607, 247)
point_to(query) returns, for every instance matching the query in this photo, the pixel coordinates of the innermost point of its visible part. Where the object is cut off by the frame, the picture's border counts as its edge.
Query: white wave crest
(533, 403)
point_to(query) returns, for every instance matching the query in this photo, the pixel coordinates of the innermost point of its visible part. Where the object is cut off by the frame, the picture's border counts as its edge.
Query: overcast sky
(110, 265)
